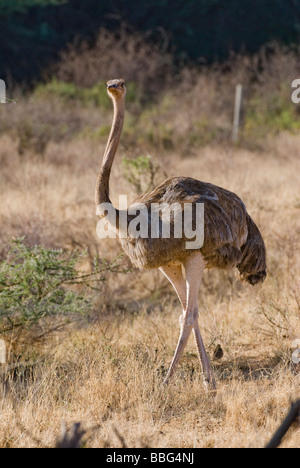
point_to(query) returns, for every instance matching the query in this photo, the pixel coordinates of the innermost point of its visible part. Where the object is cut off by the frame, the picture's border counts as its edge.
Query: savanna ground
(105, 368)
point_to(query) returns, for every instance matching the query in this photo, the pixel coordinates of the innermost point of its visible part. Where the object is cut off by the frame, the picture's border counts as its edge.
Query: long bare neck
(102, 185)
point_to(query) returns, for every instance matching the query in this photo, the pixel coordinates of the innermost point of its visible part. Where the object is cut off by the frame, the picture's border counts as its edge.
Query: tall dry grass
(108, 373)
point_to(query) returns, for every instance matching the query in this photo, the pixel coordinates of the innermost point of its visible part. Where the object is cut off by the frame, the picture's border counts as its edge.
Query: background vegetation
(34, 31)
(89, 338)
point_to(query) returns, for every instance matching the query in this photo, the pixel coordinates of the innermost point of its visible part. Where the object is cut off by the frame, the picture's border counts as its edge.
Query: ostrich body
(231, 238)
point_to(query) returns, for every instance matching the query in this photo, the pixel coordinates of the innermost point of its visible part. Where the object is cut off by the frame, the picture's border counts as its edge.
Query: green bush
(273, 114)
(37, 282)
(142, 173)
(94, 96)
(65, 91)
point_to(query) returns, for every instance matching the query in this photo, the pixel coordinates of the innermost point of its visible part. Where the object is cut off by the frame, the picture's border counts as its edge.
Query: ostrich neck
(102, 186)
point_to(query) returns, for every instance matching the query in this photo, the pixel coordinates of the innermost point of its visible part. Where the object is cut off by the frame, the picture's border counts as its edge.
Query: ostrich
(231, 238)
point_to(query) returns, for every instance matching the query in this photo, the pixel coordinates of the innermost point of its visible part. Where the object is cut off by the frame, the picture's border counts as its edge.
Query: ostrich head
(116, 88)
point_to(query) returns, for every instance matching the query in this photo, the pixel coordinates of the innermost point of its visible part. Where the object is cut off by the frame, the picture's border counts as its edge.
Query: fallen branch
(292, 417)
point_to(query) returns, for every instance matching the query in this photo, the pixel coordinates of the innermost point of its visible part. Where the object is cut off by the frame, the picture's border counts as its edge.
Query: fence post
(2, 352)
(237, 112)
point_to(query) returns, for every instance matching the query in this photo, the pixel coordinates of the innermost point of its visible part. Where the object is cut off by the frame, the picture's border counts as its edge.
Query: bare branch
(291, 418)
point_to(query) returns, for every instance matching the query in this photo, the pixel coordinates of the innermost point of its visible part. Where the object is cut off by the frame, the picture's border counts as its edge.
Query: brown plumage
(231, 238)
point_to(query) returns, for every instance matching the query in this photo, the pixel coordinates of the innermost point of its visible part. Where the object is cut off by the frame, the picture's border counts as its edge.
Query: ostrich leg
(187, 291)
(174, 274)
(209, 378)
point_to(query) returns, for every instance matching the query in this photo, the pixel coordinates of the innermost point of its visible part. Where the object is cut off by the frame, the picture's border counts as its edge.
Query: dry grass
(123, 54)
(108, 374)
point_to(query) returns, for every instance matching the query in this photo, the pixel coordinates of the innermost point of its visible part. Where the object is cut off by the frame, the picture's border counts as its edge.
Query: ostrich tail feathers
(253, 267)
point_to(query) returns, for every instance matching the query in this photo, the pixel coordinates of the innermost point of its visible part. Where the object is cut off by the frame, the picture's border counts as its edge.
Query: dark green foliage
(34, 31)
(11, 7)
